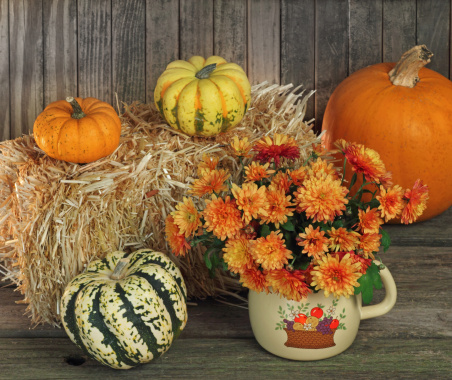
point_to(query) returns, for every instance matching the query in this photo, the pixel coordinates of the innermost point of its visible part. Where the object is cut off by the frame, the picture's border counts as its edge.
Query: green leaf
(374, 203)
(353, 181)
(338, 223)
(265, 230)
(288, 226)
(367, 282)
(385, 240)
(207, 260)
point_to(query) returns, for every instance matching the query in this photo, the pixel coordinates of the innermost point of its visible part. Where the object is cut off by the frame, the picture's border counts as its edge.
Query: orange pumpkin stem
(78, 113)
(406, 71)
(120, 269)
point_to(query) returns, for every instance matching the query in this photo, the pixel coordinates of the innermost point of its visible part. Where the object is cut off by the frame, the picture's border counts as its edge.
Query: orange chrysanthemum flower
(256, 172)
(237, 255)
(321, 198)
(321, 168)
(386, 180)
(364, 161)
(281, 181)
(176, 240)
(251, 200)
(298, 175)
(416, 202)
(315, 242)
(281, 146)
(320, 151)
(254, 279)
(369, 221)
(363, 263)
(241, 148)
(212, 181)
(289, 284)
(270, 251)
(207, 164)
(391, 202)
(277, 208)
(222, 217)
(187, 217)
(336, 276)
(368, 244)
(342, 239)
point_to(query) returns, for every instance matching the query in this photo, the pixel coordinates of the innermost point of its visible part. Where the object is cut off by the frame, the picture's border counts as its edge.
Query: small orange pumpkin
(404, 112)
(78, 130)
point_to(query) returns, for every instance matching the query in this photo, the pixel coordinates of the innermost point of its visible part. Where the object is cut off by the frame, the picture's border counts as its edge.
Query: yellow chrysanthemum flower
(251, 200)
(342, 239)
(212, 181)
(257, 172)
(369, 221)
(237, 255)
(314, 242)
(187, 217)
(391, 202)
(335, 276)
(322, 199)
(241, 148)
(277, 208)
(270, 251)
(222, 217)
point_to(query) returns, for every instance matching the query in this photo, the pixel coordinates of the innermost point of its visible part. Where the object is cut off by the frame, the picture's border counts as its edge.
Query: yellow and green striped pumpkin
(203, 97)
(126, 309)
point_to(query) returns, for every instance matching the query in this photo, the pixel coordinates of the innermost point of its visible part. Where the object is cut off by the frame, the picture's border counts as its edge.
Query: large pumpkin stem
(205, 72)
(78, 113)
(405, 73)
(120, 269)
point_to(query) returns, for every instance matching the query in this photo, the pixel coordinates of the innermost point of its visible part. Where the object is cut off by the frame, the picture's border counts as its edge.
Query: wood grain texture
(60, 49)
(399, 28)
(94, 50)
(331, 51)
(196, 28)
(369, 357)
(264, 41)
(129, 50)
(162, 39)
(26, 64)
(5, 133)
(365, 45)
(229, 37)
(433, 30)
(298, 46)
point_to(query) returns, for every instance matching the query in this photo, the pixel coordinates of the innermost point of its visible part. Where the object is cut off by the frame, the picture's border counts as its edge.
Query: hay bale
(56, 217)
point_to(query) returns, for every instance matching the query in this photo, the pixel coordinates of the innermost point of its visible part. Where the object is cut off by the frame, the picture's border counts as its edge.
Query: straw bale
(56, 217)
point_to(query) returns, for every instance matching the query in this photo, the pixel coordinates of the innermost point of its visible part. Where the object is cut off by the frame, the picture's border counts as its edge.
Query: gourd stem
(205, 72)
(405, 73)
(78, 113)
(120, 269)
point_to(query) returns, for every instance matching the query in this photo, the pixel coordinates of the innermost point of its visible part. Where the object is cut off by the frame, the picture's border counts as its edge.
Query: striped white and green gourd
(126, 309)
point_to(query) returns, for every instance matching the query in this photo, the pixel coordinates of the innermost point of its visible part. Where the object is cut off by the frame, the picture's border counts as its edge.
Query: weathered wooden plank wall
(116, 49)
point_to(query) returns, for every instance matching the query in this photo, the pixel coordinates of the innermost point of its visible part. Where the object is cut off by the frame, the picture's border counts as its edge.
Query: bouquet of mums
(294, 226)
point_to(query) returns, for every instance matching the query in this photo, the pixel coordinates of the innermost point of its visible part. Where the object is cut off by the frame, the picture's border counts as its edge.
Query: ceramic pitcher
(315, 328)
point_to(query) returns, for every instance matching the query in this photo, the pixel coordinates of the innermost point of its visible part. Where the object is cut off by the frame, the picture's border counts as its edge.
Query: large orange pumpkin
(404, 112)
(78, 130)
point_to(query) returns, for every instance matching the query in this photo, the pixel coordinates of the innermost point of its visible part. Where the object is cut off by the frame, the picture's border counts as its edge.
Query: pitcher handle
(388, 302)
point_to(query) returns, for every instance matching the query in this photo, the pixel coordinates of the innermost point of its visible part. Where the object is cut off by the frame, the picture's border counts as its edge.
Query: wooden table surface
(412, 341)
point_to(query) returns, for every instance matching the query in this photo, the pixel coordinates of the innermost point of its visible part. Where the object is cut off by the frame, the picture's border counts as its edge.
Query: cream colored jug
(317, 327)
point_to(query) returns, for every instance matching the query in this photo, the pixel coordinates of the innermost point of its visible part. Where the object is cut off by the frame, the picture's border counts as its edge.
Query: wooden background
(50, 49)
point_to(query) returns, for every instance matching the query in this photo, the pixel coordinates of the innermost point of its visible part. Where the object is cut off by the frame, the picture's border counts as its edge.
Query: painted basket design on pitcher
(311, 327)
(309, 339)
